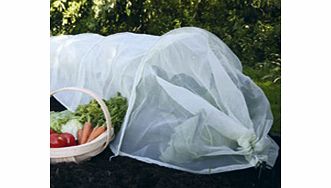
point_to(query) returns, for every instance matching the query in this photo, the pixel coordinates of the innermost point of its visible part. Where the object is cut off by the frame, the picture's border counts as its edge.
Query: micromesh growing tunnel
(190, 106)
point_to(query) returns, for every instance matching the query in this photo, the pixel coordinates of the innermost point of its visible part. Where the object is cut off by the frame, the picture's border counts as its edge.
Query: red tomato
(69, 138)
(57, 141)
(52, 131)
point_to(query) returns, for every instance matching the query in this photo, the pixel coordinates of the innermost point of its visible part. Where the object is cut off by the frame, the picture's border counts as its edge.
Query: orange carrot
(94, 129)
(96, 133)
(87, 129)
(79, 136)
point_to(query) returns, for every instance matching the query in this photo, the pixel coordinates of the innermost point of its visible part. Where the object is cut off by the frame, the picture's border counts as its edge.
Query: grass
(272, 91)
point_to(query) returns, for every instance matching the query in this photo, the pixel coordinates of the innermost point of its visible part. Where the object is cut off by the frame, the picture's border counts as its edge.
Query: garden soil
(127, 172)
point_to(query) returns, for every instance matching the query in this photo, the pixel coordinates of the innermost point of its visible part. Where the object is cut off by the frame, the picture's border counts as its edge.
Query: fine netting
(190, 106)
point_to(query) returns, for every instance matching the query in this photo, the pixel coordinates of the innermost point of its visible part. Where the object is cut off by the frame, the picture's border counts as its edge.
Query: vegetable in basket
(60, 118)
(87, 122)
(92, 112)
(71, 141)
(87, 129)
(72, 126)
(62, 140)
(97, 131)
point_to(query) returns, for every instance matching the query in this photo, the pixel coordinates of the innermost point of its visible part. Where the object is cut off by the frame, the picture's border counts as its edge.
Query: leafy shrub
(251, 28)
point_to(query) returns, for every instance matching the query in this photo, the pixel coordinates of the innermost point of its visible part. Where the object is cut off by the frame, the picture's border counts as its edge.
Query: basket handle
(103, 106)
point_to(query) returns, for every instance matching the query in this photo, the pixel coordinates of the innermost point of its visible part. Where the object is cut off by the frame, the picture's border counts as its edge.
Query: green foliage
(92, 112)
(251, 28)
(271, 90)
(58, 119)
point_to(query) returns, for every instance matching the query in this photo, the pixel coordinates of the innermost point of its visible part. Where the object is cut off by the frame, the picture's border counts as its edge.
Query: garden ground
(127, 172)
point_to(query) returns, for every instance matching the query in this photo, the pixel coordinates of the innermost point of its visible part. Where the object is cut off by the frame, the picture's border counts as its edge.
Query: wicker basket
(83, 152)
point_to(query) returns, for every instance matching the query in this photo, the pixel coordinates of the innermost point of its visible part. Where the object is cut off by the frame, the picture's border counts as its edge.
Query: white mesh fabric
(190, 106)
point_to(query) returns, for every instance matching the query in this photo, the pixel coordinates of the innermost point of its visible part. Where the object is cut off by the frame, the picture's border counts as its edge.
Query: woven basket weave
(83, 152)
